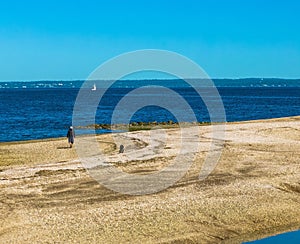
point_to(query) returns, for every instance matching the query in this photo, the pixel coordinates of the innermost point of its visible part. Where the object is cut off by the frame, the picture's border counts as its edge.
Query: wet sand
(254, 191)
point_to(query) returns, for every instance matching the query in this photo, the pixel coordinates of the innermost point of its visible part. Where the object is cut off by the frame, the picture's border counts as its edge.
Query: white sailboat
(94, 87)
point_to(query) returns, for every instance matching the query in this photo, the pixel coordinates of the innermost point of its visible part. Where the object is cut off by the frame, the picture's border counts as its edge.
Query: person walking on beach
(71, 136)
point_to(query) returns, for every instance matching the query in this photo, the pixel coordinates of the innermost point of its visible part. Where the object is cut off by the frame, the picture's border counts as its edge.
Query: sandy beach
(47, 196)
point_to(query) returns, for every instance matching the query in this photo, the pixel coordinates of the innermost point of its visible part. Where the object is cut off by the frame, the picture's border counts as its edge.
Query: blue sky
(60, 40)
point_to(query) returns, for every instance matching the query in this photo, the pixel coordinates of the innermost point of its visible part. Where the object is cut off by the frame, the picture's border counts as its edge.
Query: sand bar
(47, 196)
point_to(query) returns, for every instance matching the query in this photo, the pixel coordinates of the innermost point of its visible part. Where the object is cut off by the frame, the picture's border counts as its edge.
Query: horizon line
(152, 79)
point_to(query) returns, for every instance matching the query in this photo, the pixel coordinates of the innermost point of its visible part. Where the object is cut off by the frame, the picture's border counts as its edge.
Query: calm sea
(36, 110)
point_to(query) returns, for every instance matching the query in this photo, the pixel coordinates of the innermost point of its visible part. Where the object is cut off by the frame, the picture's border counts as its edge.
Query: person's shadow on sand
(63, 147)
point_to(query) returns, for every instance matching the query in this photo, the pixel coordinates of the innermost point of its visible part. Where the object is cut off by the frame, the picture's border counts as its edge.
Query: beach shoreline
(47, 195)
(140, 126)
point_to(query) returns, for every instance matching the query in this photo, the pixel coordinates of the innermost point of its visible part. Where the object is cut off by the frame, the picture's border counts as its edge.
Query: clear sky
(61, 39)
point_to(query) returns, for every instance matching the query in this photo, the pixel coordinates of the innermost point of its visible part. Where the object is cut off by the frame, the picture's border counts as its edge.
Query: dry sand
(48, 197)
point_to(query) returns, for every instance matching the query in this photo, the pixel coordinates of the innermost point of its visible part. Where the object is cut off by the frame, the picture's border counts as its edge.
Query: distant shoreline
(134, 83)
(155, 79)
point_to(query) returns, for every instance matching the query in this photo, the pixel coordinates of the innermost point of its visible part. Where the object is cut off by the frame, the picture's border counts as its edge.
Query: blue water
(290, 237)
(33, 112)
